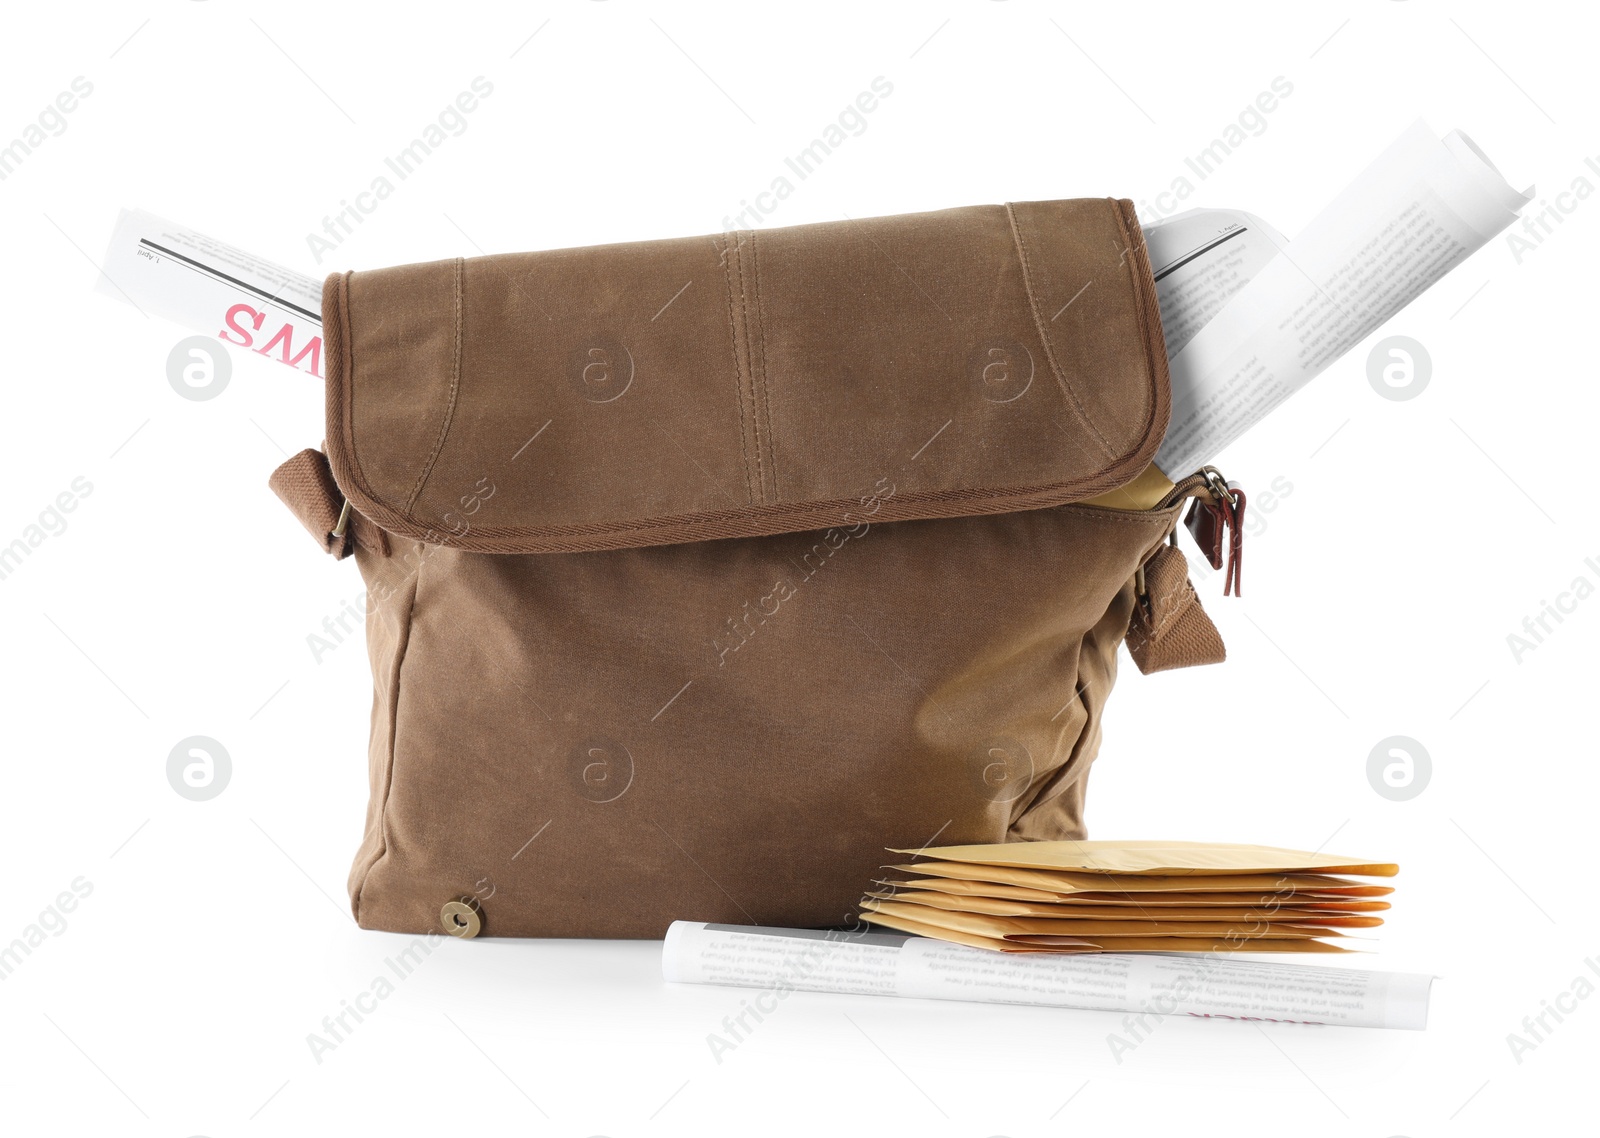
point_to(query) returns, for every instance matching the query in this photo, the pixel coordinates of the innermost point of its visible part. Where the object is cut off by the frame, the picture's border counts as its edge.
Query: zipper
(1215, 520)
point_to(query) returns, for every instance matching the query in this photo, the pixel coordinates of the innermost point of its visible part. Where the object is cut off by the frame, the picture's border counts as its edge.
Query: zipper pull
(1217, 522)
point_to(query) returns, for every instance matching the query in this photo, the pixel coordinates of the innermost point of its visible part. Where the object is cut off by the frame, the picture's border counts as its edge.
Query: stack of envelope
(1130, 897)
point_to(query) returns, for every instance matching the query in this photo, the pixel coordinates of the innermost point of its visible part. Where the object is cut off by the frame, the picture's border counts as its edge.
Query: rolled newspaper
(784, 961)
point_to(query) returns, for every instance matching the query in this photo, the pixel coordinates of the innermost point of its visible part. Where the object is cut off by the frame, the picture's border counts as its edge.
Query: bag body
(701, 571)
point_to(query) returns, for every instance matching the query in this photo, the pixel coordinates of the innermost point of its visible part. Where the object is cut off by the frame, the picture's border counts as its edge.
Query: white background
(1379, 593)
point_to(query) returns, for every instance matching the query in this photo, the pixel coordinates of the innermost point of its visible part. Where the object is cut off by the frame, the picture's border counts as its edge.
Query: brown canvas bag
(701, 571)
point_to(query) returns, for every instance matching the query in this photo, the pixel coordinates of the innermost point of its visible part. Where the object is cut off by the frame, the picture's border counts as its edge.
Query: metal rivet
(462, 917)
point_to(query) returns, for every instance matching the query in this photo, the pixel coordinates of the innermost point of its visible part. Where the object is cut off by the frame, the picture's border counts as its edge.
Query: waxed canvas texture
(714, 566)
(750, 383)
(928, 679)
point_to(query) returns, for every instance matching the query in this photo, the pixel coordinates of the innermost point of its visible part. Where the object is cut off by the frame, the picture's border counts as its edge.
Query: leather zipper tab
(1217, 521)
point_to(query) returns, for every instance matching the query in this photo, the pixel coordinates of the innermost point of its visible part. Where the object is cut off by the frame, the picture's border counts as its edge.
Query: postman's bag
(700, 571)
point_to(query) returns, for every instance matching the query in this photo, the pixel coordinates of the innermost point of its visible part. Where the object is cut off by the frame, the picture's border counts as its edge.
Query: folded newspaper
(1250, 318)
(781, 962)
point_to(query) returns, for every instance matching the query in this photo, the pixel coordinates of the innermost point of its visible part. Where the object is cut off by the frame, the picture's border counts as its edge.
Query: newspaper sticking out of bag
(177, 273)
(1250, 317)
(783, 961)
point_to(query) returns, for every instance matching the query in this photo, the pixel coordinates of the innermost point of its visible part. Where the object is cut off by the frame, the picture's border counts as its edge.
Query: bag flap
(969, 361)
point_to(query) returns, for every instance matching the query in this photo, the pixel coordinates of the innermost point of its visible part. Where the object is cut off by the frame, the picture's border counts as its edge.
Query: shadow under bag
(699, 571)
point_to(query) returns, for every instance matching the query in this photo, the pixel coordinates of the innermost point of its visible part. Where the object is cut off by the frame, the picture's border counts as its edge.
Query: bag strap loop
(1169, 627)
(305, 484)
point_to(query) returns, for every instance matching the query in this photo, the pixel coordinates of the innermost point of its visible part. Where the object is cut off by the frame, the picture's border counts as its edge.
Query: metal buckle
(1141, 594)
(344, 520)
